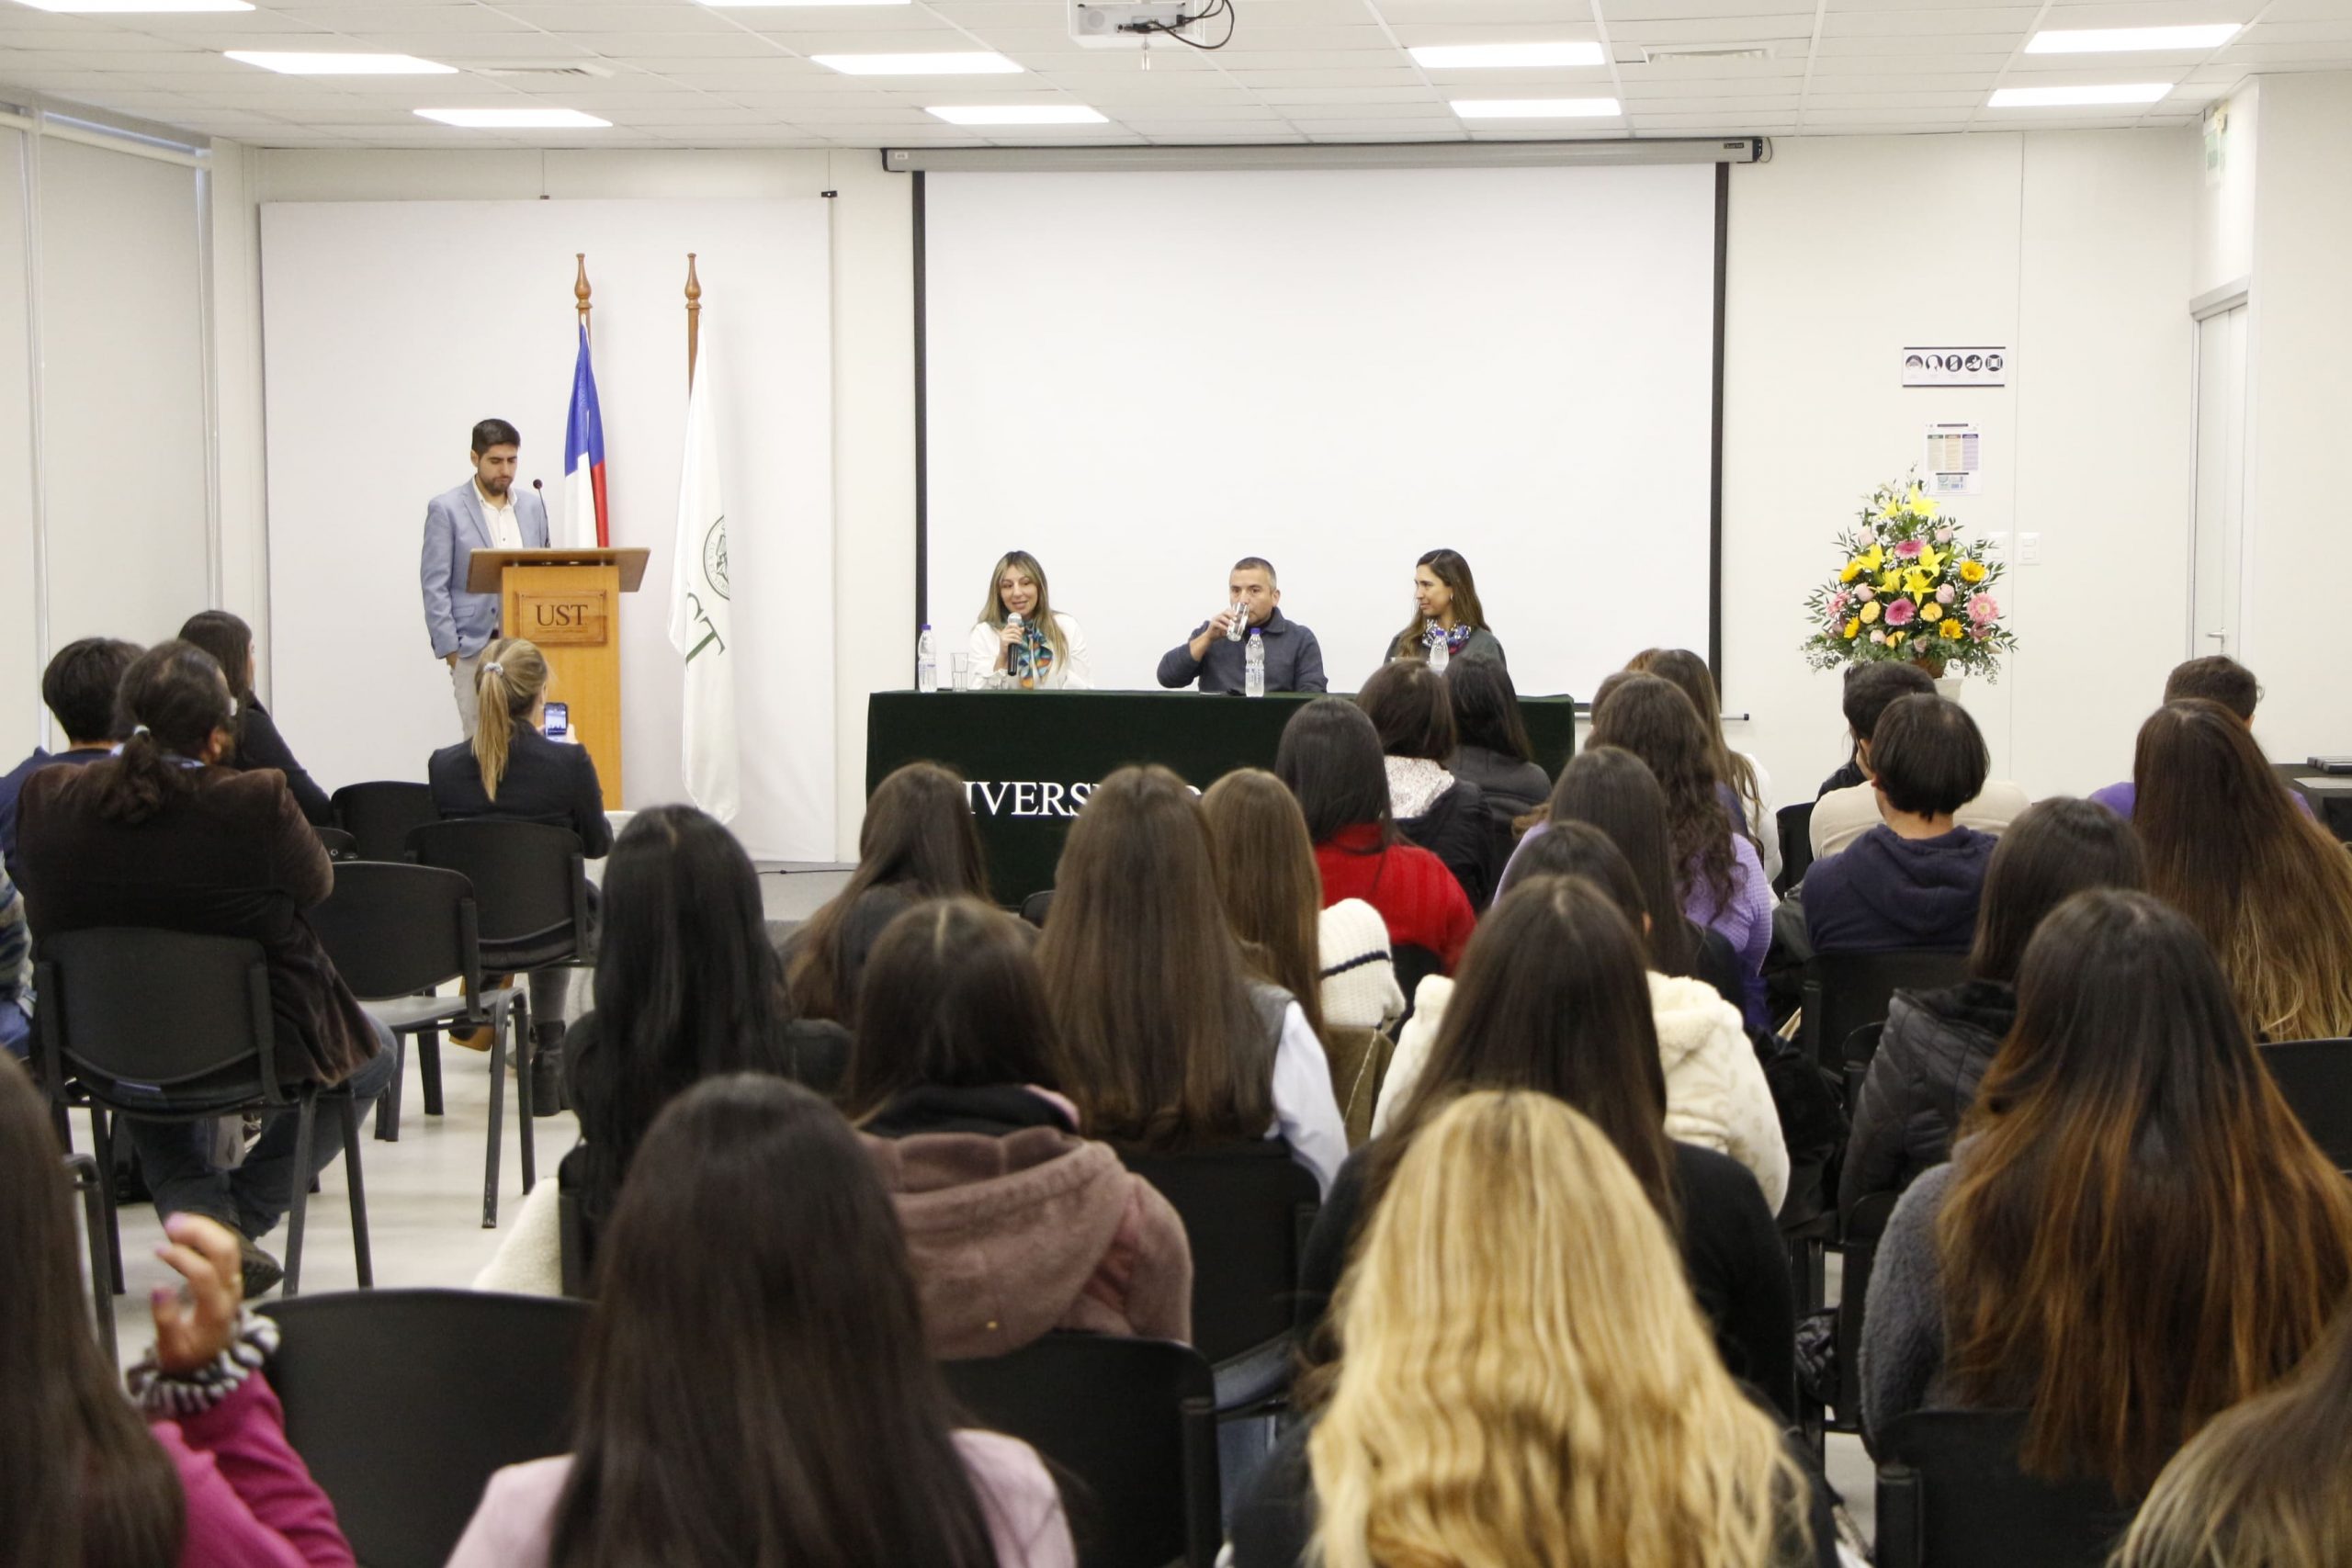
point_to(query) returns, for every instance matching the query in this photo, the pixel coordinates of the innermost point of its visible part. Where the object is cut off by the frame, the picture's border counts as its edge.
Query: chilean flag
(584, 457)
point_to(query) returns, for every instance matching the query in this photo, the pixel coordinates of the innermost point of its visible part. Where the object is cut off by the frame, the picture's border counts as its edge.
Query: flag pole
(694, 316)
(579, 290)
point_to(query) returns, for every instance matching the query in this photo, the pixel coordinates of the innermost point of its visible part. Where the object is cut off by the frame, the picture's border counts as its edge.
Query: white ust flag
(700, 627)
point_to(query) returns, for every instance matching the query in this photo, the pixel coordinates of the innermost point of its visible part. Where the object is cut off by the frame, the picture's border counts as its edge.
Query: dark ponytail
(172, 697)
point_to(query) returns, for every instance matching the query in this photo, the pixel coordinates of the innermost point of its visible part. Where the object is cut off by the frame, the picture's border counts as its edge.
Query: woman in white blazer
(1021, 639)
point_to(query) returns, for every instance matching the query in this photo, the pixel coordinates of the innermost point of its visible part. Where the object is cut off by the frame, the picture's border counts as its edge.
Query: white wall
(2225, 195)
(21, 715)
(2299, 542)
(872, 579)
(2074, 250)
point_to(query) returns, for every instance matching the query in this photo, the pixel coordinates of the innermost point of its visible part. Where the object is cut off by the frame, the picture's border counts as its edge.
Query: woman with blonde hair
(2265, 1485)
(1525, 1379)
(1021, 639)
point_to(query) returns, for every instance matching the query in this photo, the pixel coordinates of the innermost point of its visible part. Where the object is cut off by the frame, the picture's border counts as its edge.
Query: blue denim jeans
(176, 1158)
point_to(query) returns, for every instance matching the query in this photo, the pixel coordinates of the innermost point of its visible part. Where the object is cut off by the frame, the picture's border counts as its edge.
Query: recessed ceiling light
(1535, 109)
(517, 120)
(1018, 113)
(968, 63)
(294, 64)
(2070, 97)
(1477, 56)
(135, 8)
(2119, 40)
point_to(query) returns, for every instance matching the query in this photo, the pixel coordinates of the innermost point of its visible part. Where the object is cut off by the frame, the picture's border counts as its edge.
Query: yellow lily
(1853, 569)
(1919, 579)
(1929, 561)
(1891, 581)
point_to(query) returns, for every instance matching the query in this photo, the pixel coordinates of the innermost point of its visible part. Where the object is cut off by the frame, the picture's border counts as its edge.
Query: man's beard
(498, 487)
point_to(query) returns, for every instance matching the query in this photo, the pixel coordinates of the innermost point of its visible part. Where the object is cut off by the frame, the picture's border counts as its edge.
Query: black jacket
(1459, 831)
(259, 745)
(547, 781)
(1930, 1058)
(1513, 788)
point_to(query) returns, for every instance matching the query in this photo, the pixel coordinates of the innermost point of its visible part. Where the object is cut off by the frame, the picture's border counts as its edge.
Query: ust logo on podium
(571, 619)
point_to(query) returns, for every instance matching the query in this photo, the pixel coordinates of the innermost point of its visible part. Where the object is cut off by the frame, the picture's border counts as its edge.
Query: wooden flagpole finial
(579, 290)
(694, 316)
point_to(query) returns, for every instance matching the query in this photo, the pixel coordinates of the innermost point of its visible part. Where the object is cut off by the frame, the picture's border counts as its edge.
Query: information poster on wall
(1954, 464)
(1976, 365)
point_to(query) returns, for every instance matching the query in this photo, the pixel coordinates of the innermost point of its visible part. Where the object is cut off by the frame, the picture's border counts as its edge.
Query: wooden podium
(566, 603)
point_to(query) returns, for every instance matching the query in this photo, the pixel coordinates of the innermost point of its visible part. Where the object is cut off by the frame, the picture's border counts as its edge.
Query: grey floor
(424, 1191)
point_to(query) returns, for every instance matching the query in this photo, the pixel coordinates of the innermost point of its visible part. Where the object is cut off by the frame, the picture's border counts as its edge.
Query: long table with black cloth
(1029, 759)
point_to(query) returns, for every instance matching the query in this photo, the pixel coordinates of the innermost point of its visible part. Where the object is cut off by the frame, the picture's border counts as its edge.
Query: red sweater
(1422, 902)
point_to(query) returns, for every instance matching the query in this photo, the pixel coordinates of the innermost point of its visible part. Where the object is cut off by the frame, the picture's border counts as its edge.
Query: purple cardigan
(251, 1501)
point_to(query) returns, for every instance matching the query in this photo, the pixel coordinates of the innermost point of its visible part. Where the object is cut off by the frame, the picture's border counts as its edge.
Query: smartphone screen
(558, 722)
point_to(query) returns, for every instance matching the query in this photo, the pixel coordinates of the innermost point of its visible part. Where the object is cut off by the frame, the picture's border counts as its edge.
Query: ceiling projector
(1130, 24)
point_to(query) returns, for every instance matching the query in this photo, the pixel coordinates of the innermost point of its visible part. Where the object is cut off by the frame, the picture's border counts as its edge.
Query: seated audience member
(161, 835)
(1741, 777)
(1165, 1043)
(2216, 679)
(1015, 1225)
(1914, 880)
(753, 1384)
(1266, 880)
(1842, 816)
(1330, 759)
(258, 743)
(79, 689)
(2135, 1233)
(1719, 876)
(2263, 1485)
(917, 842)
(1219, 661)
(687, 987)
(1492, 1405)
(1554, 998)
(2270, 889)
(1408, 704)
(1490, 745)
(1867, 691)
(198, 1472)
(1936, 1043)
(1446, 609)
(16, 973)
(1021, 640)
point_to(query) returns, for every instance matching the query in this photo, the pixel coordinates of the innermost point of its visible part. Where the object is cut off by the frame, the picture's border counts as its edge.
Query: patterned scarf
(1032, 663)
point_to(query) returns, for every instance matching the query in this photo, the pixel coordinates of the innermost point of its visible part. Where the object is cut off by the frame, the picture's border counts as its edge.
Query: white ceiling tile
(1400, 77)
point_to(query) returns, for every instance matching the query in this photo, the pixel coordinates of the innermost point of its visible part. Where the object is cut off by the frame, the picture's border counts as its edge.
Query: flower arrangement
(1911, 590)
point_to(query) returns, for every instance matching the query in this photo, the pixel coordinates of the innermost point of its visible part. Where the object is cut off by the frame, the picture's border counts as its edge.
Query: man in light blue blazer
(486, 513)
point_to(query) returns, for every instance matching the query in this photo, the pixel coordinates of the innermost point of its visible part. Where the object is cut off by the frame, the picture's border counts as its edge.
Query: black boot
(549, 1094)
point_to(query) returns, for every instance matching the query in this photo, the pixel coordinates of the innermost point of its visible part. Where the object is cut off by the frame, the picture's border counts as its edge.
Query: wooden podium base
(572, 614)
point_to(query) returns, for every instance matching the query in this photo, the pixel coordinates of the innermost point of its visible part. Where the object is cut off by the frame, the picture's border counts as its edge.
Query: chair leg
(304, 1125)
(429, 1067)
(497, 1130)
(361, 1255)
(102, 1141)
(388, 1104)
(527, 1055)
(94, 1228)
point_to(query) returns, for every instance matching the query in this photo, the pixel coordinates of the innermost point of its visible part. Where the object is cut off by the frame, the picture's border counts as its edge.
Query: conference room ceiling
(678, 73)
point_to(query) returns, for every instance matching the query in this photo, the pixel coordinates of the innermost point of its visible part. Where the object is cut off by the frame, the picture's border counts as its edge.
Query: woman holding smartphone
(1021, 639)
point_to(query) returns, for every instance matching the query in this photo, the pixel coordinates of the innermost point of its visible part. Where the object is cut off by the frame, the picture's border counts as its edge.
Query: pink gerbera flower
(1909, 549)
(1984, 610)
(1899, 613)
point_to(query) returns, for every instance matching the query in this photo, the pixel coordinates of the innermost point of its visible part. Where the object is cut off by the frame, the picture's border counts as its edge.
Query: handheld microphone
(1017, 658)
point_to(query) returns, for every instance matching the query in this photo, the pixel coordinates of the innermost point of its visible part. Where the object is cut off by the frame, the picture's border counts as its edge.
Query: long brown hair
(82, 1480)
(2139, 1234)
(1650, 717)
(918, 836)
(2270, 889)
(1160, 1046)
(951, 997)
(1043, 617)
(172, 701)
(513, 675)
(2055, 849)
(1449, 567)
(1694, 680)
(1615, 791)
(754, 1387)
(1267, 881)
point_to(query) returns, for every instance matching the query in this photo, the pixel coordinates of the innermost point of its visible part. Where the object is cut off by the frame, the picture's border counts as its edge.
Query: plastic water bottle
(1439, 652)
(1253, 664)
(1241, 619)
(927, 661)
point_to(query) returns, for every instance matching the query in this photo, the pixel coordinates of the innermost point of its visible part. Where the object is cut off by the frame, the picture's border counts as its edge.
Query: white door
(2219, 524)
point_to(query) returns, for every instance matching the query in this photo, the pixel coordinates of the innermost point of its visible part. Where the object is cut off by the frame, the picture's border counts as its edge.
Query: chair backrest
(1246, 1209)
(378, 814)
(394, 930)
(1127, 1424)
(1855, 1054)
(166, 1010)
(2317, 1077)
(1843, 991)
(575, 1237)
(1035, 907)
(1950, 1496)
(338, 844)
(403, 1403)
(528, 881)
(1794, 824)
